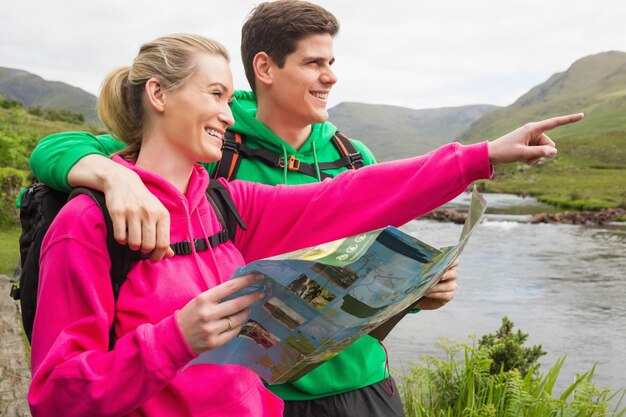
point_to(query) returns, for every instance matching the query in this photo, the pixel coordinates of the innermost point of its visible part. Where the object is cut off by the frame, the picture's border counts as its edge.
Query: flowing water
(564, 285)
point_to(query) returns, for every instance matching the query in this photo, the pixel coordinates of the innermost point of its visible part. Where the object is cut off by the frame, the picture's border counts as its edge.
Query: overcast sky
(412, 53)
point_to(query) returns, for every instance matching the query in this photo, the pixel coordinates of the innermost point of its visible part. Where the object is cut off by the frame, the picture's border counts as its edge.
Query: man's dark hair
(276, 28)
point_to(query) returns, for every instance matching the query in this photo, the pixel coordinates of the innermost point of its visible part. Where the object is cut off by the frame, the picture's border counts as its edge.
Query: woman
(172, 107)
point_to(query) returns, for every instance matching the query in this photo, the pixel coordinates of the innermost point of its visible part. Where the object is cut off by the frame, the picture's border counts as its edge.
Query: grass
(9, 249)
(586, 175)
(466, 387)
(589, 171)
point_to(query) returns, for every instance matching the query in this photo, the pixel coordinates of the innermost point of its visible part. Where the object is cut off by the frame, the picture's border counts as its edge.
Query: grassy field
(9, 249)
(589, 173)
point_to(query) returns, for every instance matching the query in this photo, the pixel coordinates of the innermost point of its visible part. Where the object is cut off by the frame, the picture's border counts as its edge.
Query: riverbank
(14, 359)
(591, 218)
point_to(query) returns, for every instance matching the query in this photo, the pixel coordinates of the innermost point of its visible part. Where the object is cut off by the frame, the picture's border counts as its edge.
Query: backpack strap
(230, 160)
(122, 257)
(226, 212)
(353, 159)
(234, 149)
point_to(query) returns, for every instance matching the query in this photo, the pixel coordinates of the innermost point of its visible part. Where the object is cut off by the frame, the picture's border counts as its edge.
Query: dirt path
(14, 360)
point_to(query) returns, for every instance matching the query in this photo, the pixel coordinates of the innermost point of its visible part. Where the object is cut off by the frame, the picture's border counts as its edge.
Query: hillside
(393, 132)
(19, 133)
(33, 91)
(590, 169)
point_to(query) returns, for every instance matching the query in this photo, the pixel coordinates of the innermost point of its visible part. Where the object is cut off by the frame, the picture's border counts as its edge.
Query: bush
(469, 387)
(5, 103)
(61, 115)
(506, 351)
(11, 182)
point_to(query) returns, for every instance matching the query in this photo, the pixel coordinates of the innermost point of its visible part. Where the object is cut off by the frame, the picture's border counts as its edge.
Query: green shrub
(469, 387)
(11, 182)
(506, 351)
(5, 103)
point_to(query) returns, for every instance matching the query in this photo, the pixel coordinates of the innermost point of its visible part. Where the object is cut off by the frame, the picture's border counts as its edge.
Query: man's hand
(440, 294)
(138, 217)
(529, 142)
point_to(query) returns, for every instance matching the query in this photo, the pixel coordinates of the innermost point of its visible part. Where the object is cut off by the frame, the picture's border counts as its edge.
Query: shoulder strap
(226, 212)
(234, 149)
(347, 150)
(229, 163)
(121, 256)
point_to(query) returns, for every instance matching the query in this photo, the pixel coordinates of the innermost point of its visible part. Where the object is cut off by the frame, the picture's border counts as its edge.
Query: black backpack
(40, 205)
(234, 149)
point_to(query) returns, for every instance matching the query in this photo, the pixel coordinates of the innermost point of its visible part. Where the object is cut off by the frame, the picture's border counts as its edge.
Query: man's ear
(155, 95)
(263, 68)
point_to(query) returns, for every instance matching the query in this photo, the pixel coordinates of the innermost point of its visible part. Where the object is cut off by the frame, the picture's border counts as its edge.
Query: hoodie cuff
(477, 166)
(168, 346)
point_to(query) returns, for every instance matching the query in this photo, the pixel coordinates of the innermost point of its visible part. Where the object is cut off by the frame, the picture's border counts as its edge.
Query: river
(564, 285)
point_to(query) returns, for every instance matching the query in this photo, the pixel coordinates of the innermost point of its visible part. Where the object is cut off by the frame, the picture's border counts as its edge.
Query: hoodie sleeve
(285, 218)
(74, 374)
(55, 155)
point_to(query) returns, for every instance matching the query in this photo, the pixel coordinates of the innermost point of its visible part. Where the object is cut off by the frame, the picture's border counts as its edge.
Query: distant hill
(32, 91)
(393, 132)
(590, 169)
(595, 84)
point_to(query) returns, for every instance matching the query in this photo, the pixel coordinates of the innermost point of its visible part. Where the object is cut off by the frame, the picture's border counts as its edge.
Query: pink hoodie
(75, 375)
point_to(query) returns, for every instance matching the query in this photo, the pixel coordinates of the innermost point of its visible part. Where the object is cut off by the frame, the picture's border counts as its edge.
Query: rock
(15, 360)
(446, 215)
(600, 218)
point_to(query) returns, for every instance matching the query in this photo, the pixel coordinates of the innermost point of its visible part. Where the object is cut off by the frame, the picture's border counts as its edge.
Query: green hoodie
(363, 362)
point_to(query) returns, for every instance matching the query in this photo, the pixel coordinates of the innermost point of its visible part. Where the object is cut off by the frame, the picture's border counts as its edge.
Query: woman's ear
(263, 68)
(155, 95)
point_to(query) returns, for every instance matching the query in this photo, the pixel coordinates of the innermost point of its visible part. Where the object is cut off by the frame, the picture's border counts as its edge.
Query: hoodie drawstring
(285, 165)
(317, 167)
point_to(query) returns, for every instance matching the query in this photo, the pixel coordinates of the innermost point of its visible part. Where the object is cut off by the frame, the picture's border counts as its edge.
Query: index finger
(231, 286)
(555, 122)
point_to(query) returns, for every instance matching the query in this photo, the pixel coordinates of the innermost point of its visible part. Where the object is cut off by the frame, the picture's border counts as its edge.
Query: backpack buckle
(229, 145)
(181, 248)
(355, 158)
(15, 292)
(294, 163)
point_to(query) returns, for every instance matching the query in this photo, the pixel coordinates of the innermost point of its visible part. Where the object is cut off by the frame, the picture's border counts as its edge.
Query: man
(288, 66)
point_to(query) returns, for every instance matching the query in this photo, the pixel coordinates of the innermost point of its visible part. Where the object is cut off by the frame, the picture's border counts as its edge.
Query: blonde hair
(171, 60)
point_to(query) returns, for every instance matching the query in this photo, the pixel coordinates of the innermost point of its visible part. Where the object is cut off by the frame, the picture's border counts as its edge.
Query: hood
(244, 109)
(167, 193)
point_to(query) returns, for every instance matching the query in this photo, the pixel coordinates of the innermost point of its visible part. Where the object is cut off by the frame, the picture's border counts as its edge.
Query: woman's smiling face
(198, 113)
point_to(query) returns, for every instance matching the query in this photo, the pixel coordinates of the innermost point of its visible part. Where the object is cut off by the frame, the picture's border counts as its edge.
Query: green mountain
(33, 91)
(590, 169)
(393, 132)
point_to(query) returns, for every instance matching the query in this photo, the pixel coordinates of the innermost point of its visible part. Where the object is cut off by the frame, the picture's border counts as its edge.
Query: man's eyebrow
(318, 58)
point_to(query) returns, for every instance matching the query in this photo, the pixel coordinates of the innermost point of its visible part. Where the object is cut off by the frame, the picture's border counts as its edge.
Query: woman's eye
(218, 94)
